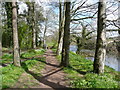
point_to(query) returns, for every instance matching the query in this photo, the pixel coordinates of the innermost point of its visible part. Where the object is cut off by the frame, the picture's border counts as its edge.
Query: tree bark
(100, 52)
(33, 26)
(44, 36)
(16, 59)
(0, 43)
(66, 37)
(61, 23)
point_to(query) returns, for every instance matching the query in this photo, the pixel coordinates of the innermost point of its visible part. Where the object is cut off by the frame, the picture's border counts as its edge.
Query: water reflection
(112, 61)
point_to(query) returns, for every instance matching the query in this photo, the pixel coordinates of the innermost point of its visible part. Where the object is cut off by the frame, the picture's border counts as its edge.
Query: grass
(11, 73)
(32, 53)
(81, 74)
(8, 58)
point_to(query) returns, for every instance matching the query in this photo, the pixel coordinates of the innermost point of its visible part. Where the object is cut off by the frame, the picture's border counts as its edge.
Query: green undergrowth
(80, 73)
(32, 53)
(11, 73)
(8, 58)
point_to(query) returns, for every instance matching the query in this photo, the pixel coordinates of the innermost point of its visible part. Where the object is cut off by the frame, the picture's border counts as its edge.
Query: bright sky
(112, 16)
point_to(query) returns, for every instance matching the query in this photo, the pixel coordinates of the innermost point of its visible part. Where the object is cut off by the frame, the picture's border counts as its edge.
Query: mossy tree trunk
(100, 52)
(66, 37)
(16, 55)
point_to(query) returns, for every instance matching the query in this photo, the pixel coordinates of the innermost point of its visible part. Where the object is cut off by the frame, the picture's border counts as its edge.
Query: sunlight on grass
(10, 74)
(79, 64)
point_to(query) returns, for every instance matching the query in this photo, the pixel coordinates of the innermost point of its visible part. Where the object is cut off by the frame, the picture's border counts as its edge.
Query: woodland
(56, 44)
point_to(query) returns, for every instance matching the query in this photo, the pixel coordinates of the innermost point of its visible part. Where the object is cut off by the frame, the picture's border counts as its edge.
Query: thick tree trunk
(16, 55)
(100, 52)
(66, 38)
(60, 40)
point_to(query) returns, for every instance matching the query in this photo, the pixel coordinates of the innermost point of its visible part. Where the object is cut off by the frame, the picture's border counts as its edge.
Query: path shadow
(40, 59)
(43, 79)
(50, 54)
(54, 65)
(80, 72)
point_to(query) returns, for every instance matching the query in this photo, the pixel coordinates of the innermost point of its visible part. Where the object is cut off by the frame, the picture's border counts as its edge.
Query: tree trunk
(44, 36)
(66, 37)
(16, 59)
(0, 44)
(33, 26)
(60, 40)
(100, 52)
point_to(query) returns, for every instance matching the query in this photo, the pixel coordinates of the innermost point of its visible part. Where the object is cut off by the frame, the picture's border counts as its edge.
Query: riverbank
(81, 74)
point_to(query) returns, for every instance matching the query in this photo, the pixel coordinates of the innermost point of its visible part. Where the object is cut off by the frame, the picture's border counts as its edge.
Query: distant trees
(81, 38)
(8, 34)
(100, 52)
(16, 55)
(66, 37)
(31, 22)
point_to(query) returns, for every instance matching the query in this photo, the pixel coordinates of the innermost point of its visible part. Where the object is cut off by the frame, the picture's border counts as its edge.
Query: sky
(112, 16)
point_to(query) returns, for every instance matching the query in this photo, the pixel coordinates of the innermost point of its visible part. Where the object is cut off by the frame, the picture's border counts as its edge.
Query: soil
(52, 76)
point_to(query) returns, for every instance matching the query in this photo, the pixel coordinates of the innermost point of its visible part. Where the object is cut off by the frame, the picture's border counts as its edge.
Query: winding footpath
(52, 76)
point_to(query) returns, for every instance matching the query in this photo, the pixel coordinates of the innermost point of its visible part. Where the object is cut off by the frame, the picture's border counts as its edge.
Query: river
(112, 61)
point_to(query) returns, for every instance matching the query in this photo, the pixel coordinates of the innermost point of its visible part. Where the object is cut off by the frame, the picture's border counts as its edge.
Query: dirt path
(52, 75)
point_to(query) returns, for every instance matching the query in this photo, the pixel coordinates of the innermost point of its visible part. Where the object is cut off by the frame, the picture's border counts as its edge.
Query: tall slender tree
(100, 52)
(66, 37)
(33, 26)
(61, 28)
(16, 59)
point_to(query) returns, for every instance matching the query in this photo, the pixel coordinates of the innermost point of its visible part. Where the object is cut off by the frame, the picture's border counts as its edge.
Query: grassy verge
(11, 73)
(80, 73)
(8, 58)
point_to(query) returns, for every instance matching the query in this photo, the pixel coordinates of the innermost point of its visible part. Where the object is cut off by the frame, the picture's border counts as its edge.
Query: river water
(112, 61)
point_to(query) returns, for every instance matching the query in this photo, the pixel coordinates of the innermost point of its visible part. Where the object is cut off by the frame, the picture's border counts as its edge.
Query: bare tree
(15, 34)
(100, 52)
